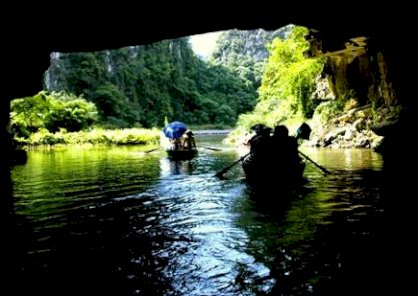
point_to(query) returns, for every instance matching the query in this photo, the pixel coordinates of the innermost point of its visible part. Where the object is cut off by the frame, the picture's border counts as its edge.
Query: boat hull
(181, 154)
(265, 178)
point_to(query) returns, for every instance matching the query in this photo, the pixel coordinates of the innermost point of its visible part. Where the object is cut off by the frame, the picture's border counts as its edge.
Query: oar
(317, 165)
(224, 170)
(148, 151)
(304, 132)
(214, 149)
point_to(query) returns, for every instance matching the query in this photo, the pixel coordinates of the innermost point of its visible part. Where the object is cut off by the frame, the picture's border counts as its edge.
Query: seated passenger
(189, 142)
(176, 144)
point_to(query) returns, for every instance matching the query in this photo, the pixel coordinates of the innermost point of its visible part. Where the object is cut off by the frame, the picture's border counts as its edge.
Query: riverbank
(132, 136)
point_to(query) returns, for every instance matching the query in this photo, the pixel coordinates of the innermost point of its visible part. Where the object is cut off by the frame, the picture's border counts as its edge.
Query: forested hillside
(141, 85)
(245, 53)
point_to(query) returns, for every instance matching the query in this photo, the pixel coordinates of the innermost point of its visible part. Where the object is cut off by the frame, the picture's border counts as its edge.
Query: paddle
(317, 165)
(224, 170)
(214, 149)
(304, 132)
(148, 151)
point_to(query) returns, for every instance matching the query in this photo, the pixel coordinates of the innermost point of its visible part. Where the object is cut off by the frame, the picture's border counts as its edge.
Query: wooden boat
(182, 148)
(274, 163)
(181, 154)
(271, 177)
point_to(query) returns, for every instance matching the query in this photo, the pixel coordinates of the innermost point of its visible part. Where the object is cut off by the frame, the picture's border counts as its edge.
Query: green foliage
(244, 52)
(289, 76)
(325, 111)
(51, 112)
(140, 86)
(96, 137)
(328, 110)
(44, 137)
(287, 84)
(115, 110)
(28, 114)
(87, 72)
(73, 115)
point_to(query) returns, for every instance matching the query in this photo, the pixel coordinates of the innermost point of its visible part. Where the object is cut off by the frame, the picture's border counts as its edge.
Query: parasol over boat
(175, 130)
(175, 148)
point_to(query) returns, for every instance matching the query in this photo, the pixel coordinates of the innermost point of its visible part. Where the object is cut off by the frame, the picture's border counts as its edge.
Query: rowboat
(274, 163)
(176, 145)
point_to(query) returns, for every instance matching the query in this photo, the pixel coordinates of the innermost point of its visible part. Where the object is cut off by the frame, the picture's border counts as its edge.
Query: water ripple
(140, 224)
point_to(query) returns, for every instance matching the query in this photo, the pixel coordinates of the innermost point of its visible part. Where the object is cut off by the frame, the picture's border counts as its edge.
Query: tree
(287, 83)
(52, 111)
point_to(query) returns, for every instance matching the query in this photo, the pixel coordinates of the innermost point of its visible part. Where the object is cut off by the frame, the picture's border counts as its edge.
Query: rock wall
(359, 80)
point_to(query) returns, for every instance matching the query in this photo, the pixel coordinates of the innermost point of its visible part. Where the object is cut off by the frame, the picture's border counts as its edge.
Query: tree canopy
(287, 85)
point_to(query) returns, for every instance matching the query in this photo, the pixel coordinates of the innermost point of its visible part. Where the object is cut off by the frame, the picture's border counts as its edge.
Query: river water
(118, 221)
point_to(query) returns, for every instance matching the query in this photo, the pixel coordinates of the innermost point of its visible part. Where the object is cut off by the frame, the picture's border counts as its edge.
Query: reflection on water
(176, 167)
(114, 220)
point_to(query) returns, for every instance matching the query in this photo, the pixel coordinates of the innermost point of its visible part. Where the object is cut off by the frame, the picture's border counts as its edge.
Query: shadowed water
(114, 220)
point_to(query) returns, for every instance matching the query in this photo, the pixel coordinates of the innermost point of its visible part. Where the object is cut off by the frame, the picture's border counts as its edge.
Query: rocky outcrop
(350, 130)
(358, 78)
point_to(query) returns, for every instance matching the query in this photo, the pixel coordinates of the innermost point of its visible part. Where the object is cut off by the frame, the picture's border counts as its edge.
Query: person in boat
(258, 129)
(285, 151)
(261, 146)
(260, 151)
(189, 142)
(176, 144)
(284, 144)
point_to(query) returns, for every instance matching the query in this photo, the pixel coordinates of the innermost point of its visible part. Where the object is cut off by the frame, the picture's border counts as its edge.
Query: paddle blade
(151, 150)
(148, 151)
(223, 171)
(211, 148)
(220, 174)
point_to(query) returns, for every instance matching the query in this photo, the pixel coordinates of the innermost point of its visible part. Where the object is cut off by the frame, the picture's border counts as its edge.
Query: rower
(189, 142)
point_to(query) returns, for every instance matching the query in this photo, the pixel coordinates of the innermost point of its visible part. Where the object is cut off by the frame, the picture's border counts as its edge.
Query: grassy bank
(133, 136)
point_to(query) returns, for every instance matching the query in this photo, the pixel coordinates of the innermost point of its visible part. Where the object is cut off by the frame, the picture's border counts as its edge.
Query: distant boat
(174, 146)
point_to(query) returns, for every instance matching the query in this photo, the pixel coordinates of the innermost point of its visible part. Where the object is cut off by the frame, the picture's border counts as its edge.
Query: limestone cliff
(358, 95)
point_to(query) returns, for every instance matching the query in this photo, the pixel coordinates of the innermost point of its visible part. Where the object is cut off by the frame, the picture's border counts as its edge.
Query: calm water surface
(117, 221)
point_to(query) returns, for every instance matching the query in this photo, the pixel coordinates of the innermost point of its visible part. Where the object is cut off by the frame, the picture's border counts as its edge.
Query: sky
(204, 44)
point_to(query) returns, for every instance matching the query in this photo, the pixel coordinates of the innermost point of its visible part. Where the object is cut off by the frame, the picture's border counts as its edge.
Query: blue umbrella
(175, 130)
